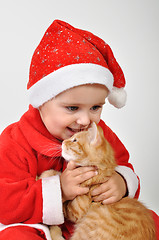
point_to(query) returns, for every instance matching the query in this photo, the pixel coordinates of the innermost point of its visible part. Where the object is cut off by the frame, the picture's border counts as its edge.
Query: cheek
(57, 126)
(66, 120)
(96, 117)
(56, 120)
(53, 124)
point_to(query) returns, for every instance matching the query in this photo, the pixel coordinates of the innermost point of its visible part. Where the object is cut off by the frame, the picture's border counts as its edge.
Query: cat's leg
(56, 233)
(48, 173)
(74, 210)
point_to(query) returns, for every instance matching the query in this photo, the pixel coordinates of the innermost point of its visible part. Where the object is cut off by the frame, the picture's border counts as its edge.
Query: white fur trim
(68, 77)
(117, 97)
(130, 178)
(37, 226)
(52, 201)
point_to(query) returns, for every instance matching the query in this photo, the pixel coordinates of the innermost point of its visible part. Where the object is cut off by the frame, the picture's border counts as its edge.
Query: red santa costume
(66, 57)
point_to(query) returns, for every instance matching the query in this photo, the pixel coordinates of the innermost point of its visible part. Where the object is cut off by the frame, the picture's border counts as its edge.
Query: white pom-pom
(117, 97)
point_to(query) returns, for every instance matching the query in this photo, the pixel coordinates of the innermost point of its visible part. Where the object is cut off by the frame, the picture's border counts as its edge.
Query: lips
(75, 130)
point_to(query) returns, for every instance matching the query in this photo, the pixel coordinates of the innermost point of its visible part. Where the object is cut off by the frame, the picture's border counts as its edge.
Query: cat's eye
(74, 140)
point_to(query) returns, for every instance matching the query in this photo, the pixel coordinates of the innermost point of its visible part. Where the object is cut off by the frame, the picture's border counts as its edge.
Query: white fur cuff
(130, 178)
(67, 77)
(52, 201)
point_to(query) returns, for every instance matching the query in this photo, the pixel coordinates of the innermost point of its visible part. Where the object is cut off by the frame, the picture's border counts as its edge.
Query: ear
(94, 135)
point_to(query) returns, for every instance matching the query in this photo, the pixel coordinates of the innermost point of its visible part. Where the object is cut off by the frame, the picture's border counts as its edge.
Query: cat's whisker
(53, 148)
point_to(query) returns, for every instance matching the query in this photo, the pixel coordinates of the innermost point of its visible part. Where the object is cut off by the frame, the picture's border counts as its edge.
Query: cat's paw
(48, 173)
(74, 210)
(56, 233)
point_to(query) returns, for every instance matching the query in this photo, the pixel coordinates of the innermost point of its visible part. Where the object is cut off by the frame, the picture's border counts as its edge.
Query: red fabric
(22, 233)
(156, 220)
(63, 45)
(26, 150)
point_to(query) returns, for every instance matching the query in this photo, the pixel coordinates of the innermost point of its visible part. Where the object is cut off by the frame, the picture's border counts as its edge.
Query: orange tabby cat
(123, 220)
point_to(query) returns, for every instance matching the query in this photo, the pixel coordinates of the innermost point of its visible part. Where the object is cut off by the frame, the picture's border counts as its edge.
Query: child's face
(73, 110)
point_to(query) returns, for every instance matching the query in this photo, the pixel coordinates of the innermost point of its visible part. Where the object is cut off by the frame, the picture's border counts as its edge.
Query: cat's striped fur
(127, 219)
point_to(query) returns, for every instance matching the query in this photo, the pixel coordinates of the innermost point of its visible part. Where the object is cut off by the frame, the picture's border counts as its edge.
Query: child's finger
(79, 170)
(103, 196)
(82, 190)
(110, 200)
(83, 170)
(85, 176)
(101, 189)
(71, 165)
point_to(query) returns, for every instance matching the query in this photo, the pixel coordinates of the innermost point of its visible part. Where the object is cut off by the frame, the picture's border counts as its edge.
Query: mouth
(75, 130)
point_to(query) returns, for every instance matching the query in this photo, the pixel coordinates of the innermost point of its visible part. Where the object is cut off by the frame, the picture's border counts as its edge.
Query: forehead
(90, 93)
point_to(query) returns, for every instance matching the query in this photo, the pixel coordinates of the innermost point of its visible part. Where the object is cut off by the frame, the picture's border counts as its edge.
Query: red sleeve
(21, 194)
(121, 153)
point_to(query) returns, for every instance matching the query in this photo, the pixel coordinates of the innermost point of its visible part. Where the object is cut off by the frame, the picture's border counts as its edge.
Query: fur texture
(126, 219)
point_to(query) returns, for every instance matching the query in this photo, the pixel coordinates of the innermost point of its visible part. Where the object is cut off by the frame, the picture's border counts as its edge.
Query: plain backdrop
(131, 28)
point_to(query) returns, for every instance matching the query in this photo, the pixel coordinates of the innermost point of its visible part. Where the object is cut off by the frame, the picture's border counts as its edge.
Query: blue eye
(72, 108)
(95, 108)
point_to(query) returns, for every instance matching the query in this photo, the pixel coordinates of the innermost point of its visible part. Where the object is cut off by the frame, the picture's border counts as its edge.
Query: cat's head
(89, 148)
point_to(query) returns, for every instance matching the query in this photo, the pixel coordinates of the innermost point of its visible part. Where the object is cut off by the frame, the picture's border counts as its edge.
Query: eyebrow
(76, 104)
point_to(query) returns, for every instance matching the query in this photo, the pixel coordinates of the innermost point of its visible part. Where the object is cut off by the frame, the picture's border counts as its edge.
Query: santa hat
(67, 57)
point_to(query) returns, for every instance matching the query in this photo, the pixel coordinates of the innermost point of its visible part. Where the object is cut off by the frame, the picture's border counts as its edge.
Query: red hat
(67, 57)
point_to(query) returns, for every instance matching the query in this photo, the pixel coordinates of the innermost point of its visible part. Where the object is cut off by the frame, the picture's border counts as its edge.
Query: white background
(131, 28)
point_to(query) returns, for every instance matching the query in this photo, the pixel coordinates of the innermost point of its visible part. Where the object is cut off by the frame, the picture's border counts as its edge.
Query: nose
(84, 119)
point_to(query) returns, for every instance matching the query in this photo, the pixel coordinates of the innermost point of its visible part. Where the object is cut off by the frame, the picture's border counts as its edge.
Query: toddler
(72, 73)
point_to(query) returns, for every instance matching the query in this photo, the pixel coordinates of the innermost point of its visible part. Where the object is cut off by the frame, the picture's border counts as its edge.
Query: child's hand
(71, 179)
(112, 190)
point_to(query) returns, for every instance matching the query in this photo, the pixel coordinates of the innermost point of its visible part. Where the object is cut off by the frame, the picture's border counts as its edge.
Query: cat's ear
(94, 135)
